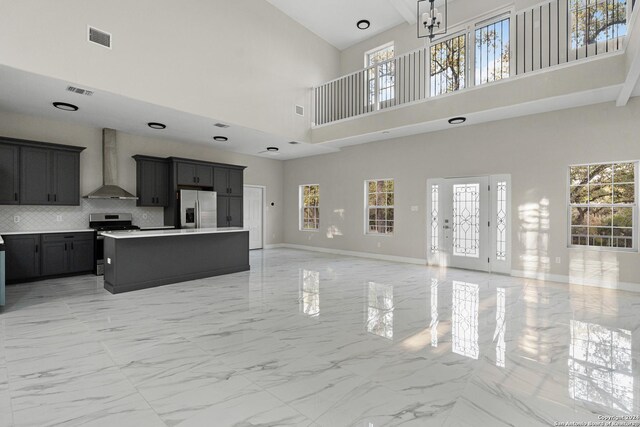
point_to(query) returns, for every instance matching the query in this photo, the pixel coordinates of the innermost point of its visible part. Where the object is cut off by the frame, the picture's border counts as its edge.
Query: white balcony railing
(514, 43)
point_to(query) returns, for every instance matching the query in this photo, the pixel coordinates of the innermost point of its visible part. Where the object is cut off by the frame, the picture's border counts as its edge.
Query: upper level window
(380, 73)
(492, 52)
(380, 210)
(448, 65)
(597, 21)
(309, 207)
(602, 205)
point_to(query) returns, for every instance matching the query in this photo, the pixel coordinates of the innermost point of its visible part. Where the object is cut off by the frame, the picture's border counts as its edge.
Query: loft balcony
(558, 54)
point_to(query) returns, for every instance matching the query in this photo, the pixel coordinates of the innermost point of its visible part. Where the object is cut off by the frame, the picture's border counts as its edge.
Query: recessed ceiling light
(220, 138)
(363, 24)
(221, 125)
(457, 120)
(273, 149)
(64, 106)
(157, 126)
(294, 142)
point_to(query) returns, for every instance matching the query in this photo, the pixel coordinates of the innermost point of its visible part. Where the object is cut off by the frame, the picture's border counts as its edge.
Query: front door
(469, 225)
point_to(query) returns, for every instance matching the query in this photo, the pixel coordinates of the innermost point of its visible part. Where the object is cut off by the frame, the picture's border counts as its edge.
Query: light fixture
(363, 24)
(156, 125)
(64, 106)
(294, 142)
(457, 120)
(220, 138)
(431, 21)
(273, 149)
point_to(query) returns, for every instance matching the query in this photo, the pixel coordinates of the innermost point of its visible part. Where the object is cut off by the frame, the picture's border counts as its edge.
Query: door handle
(446, 227)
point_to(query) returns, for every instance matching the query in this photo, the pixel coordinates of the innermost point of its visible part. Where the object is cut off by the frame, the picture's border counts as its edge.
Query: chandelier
(431, 21)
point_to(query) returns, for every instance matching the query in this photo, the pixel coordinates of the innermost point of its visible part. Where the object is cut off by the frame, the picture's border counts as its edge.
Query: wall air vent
(300, 110)
(100, 37)
(79, 91)
(221, 125)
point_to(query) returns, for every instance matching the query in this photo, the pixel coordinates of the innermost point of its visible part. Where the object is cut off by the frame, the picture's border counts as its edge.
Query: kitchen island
(143, 259)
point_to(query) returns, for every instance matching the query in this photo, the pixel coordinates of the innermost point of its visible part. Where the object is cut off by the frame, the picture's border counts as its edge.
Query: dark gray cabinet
(22, 256)
(230, 211)
(67, 253)
(35, 176)
(194, 174)
(9, 174)
(33, 256)
(39, 173)
(228, 181)
(152, 181)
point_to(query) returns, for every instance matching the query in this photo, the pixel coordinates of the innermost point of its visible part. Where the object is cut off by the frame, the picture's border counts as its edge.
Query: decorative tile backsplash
(33, 218)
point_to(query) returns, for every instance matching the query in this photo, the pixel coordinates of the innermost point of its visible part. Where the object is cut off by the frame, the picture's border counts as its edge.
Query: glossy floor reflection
(315, 339)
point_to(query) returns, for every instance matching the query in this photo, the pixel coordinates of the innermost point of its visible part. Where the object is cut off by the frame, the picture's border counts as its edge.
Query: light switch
(16, 219)
(414, 209)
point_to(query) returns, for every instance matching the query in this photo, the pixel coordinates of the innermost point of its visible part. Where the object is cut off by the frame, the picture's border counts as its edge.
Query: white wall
(536, 150)
(242, 62)
(260, 171)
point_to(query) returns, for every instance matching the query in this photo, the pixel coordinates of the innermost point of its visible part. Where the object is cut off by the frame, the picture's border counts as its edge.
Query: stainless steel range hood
(110, 189)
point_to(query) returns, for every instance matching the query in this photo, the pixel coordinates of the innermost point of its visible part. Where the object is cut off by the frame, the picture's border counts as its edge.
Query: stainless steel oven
(107, 222)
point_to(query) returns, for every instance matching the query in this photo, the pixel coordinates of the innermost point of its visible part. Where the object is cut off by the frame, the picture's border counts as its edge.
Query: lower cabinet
(32, 256)
(22, 257)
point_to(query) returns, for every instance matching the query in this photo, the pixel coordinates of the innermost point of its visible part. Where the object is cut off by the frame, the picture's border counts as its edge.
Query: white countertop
(1, 241)
(15, 233)
(167, 233)
(162, 227)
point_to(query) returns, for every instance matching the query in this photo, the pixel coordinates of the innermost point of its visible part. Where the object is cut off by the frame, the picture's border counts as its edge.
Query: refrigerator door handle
(197, 219)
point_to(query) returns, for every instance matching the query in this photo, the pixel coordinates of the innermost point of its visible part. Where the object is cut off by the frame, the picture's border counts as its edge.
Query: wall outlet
(58, 218)
(558, 260)
(145, 216)
(414, 209)
(16, 219)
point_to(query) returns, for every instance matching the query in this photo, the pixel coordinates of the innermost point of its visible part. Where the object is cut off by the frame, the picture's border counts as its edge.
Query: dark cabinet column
(236, 213)
(22, 256)
(66, 178)
(9, 175)
(35, 176)
(146, 183)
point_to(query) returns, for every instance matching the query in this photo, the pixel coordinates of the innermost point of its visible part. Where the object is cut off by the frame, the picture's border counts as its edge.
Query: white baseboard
(274, 246)
(392, 258)
(560, 278)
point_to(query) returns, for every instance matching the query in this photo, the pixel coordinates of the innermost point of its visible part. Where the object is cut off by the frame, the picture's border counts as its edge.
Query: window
(602, 205)
(501, 221)
(309, 207)
(435, 225)
(381, 73)
(492, 52)
(597, 21)
(448, 65)
(380, 211)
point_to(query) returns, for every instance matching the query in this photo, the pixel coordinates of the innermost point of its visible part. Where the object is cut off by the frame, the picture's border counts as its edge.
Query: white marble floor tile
(315, 339)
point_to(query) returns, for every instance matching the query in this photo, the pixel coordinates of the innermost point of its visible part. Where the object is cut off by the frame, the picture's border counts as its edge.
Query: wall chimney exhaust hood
(110, 189)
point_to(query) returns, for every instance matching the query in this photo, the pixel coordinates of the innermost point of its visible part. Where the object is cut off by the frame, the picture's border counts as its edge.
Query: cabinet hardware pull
(71, 245)
(15, 197)
(65, 246)
(36, 248)
(48, 197)
(55, 197)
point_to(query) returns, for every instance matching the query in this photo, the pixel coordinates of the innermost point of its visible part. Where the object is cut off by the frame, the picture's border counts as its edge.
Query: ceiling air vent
(100, 37)
(300, 110)
(79, 91)
(221, 125)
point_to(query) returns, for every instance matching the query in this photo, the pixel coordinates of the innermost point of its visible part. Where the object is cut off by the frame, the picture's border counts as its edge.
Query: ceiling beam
(407, 12)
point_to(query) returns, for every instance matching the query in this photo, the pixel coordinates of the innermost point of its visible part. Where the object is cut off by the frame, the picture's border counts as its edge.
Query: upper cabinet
(9, 175)
(35, 173)
(152, 182)
(228, 181)
(194, 174)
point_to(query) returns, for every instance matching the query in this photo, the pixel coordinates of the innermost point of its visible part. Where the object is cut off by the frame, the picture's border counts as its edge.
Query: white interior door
(465, 222)
(253, 215)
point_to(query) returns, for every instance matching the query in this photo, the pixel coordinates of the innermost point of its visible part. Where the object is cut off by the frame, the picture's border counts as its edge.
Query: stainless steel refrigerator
(198, 209)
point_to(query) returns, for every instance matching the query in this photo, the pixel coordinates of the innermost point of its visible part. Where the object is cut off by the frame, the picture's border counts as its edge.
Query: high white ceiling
(335, 20)
(32, 94)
